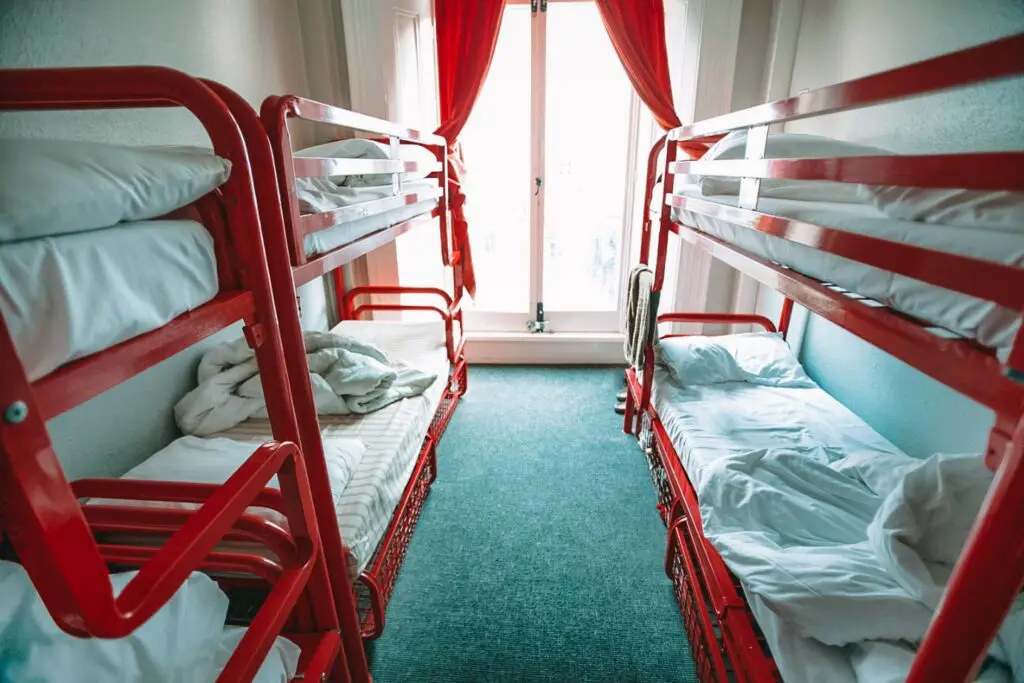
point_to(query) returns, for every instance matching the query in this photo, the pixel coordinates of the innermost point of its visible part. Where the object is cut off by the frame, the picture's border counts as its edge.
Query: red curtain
(467, 33)
(637, 30)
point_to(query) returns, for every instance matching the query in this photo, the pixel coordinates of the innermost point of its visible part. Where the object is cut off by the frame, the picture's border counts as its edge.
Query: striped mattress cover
(393, 436)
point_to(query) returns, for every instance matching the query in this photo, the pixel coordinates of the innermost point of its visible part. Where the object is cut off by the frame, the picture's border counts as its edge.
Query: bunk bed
(205, 270)
(378, 514)
(945, 300)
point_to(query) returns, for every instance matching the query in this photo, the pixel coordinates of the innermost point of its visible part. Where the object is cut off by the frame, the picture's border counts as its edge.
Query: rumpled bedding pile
(184, 642)
(348, 376)
(843, 550)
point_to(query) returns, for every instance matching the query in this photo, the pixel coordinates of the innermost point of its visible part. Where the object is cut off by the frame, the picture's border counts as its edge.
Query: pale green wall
(840, 40)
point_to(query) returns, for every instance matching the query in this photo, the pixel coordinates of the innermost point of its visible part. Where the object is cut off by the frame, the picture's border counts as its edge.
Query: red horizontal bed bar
(987, 62)
(979, 171)
(311, 110)
(78, 381)
(325, 263)
(996, 282)
(316, 222)
(315, 167)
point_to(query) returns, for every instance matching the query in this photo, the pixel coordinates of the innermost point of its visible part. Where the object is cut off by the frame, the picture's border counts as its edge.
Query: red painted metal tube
(986, 581)
(450, 316)
(216, 562)
(785, 316)
(1002, 58)
(652, 179)
(988, 171)
(339, 600)
(141, 523)
(318, 654)
(734, 318)
(315, 222)
(41, 514)
(323, 264)
(996, 282)
(269, 621)
(78, 381)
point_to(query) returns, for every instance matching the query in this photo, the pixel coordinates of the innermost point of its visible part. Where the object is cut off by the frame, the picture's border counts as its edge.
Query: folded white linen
(347, 375)
(846, 550)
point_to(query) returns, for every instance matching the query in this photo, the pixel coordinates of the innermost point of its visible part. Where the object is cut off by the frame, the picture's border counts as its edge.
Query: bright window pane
(496, 149)
(587, 138)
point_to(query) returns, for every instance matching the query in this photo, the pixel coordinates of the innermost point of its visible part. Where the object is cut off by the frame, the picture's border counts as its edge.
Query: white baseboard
(566, 348)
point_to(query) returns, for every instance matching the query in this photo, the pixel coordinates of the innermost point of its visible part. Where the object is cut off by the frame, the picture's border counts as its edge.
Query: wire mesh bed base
(726, 644)
(374, 586)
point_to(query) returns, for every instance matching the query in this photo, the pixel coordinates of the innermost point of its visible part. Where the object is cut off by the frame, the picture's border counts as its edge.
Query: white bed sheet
(989, 324)
(729, 435)
(393, 436)
(70, 296)
(322, 195)
(709, 422)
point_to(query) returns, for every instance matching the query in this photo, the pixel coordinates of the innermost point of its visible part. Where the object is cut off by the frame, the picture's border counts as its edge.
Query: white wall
(840, 40)
(252, 46)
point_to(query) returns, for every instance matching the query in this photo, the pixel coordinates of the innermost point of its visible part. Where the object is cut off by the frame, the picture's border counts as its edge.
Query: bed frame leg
(629, 415)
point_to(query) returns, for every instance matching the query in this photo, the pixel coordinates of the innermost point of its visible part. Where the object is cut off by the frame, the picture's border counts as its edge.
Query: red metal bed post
(275, 235)
(69, 571)
(785, 316)
(664, 227)
(985, 583)
(652, 180)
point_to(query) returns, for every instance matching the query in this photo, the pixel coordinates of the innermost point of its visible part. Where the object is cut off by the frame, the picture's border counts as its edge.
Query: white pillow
(968, 208)
(360, 148)
(169, 648)
(53, 187)
(788, 146)
(762, 358)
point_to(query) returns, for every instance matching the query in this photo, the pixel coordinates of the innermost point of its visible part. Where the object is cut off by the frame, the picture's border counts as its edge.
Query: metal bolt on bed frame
(16, 413)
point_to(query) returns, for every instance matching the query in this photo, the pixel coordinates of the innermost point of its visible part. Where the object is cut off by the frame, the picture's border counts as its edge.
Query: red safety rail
(276, 112)
(275, 167)
(275, 236)
(990, 572)
(377, 581)
(41, 514)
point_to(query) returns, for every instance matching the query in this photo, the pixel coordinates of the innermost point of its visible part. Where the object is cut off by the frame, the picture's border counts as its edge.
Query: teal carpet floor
(539, 553)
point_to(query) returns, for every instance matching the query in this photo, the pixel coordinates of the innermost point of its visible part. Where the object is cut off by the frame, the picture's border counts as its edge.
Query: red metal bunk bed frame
(275, 169)
(722, 631)
(58, 540)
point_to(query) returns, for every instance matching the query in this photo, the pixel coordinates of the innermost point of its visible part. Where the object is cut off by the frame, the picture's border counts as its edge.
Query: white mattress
(334, 237)
(708, 422)
(989, 324)
(70, 296)
(393, 436)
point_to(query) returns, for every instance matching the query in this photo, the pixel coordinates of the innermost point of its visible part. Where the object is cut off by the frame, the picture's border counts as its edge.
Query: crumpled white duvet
(347, 375)
(846, 555)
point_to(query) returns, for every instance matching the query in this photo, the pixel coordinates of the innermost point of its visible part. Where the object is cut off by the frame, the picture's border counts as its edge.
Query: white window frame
(562, 321)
